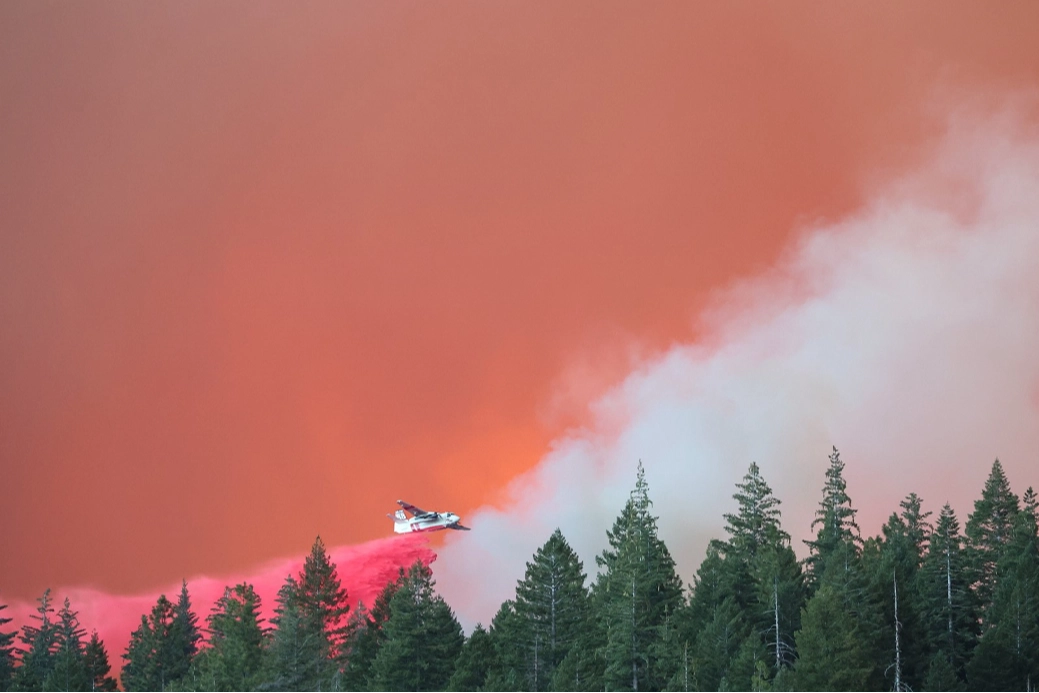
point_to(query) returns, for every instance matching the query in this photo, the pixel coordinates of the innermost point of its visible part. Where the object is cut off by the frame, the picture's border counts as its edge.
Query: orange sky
(266, 268)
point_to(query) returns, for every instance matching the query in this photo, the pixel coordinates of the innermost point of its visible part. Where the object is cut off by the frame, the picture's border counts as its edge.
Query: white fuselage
(427, 522)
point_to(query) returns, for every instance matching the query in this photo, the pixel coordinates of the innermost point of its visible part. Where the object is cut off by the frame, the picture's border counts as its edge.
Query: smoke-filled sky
(267, 268)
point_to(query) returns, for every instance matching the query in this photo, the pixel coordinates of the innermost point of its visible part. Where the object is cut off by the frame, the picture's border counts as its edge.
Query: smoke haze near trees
(908, 332)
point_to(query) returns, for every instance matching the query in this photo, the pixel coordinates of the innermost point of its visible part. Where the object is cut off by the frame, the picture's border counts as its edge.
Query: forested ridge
(928, 604)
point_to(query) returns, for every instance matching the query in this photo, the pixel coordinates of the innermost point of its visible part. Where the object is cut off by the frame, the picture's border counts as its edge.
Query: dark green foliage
(366, 636)
(636, 592)
(989, 529)
(1007, 656)
(152, 653)
(423, 638)
(310, 628)
(6, 652)
(507, 672)
(746, 600)
(295, 652)
(915, 607)
(95, 661)
(234, 657)
(322, 599)
(184, 636)
(755, 526)
(474, 662)
(70, 671)
(894, 587)
(716, 643)
(39, 640)
(830, 647)
(761, 550)
(949, 607)
(835, 520)
(748, 668)
(580, 670)
(780, 594)
(941, 676)
(552, 610)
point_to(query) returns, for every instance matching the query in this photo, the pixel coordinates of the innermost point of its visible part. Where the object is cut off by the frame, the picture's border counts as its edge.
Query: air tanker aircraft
(422, 520)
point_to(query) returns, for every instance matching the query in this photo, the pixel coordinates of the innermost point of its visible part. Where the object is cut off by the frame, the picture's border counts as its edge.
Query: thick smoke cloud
(907, 335)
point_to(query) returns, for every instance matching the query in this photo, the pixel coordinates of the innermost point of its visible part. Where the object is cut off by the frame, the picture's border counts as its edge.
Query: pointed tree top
(1029, 501)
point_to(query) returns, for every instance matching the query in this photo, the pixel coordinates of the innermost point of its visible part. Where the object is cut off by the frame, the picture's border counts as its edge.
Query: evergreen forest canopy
(925, 605)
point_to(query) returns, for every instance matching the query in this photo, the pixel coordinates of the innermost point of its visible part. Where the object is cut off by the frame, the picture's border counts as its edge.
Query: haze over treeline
(930, 603)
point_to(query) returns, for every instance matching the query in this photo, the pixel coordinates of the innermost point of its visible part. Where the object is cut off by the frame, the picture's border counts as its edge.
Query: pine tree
(506, 632)
(671, 651)
(941, 676)
(39, 643)
(780, 595)
(766, 581)
(366, 636)
(831, 655)
(137, 658)
(69, 672)
(295, 650)
(474, 662)
(6, 652)
(949, 606)
(893, 577)
(989, 529)
(756, 525)
(95, 661)
(1007, 656)
(184, 636)
(233, 660)
(835, 519)
(323, 609)
(552, 603)
(423, 638)
(152, 655)
(637, 589)
(359, 649)
(716, 643)
(747, 669)
(1030, 502)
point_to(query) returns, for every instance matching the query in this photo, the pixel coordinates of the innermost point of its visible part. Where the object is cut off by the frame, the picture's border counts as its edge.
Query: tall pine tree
(949, 606)
(1007, 656)
(893, 577)
(297, 651)
(552, 606)
(637, 591)
(70, 671)
(310, 627)
(836, 524)
(153, 657)
(475, 662)
(95, 659)
(423, 638)
(39, 642)
(989, 530)
(234, 658)
(761, 552)
(323, 609)
(6, 652)
(365, 635)
(830, 647)
(184, 636)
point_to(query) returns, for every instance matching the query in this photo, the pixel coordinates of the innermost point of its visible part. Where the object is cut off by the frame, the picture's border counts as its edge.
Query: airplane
(423, 521)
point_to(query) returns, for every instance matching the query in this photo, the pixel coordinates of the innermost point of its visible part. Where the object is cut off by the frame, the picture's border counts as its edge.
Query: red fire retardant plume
(364, 570)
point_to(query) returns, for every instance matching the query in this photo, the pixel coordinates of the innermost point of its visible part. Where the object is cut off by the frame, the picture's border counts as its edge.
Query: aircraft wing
(414, 510)
(458, 526)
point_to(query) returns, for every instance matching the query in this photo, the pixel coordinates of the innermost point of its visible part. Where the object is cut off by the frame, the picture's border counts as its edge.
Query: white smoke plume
(907, 335)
